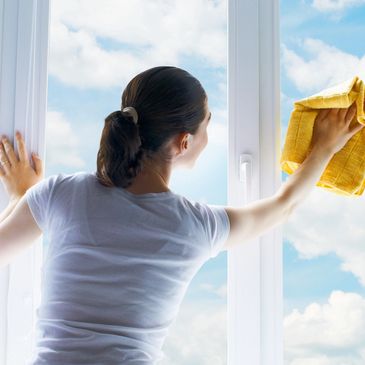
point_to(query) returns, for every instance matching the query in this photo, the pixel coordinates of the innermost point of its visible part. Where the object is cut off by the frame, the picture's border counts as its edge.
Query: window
(82, 91)
(105, 48)
(23, 51)
(324, 262)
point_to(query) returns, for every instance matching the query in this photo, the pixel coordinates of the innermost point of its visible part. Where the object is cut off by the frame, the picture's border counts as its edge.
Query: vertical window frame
(254, 269)
(23, 103)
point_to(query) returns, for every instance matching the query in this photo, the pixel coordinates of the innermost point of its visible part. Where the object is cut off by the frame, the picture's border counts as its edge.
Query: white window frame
(254, 287)
(255, 298)
(23, 97)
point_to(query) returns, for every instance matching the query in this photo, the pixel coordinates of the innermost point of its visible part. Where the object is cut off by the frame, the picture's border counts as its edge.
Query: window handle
(246, 175)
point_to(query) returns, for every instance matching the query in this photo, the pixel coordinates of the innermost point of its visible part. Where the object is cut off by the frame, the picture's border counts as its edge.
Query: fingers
(5, 164)
(354, 129)
(23, 155)
(323, 113)
(9, 151)
(350, 113)
(8, 158)
(334, 111)
(38, 164)
(344, 111)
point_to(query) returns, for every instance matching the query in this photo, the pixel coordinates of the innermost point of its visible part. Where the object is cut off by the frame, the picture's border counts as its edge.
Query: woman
(123, 246)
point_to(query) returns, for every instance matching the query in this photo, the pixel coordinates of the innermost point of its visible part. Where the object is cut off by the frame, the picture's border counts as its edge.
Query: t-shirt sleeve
(39, 197)
(217, 226)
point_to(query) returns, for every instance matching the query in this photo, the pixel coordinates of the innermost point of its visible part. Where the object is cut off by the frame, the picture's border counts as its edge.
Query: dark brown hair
(168, 101)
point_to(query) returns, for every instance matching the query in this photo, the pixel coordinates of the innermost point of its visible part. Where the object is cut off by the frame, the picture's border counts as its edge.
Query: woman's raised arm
(331, 132)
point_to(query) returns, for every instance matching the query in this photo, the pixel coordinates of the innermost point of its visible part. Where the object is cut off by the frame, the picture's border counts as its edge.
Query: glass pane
(95, 50)
(324, 240)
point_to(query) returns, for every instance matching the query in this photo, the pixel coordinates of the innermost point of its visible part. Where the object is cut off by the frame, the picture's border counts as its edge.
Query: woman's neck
(152, 179)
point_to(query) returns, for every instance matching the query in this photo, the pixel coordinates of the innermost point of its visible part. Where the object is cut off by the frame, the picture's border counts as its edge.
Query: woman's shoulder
(74, 176)
(65, 181)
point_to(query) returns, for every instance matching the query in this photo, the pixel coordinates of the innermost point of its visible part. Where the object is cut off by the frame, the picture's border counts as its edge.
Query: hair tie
(132, 111)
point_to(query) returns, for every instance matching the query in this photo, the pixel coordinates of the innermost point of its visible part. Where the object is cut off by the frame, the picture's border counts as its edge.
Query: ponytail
(166, 101)
(119, 158)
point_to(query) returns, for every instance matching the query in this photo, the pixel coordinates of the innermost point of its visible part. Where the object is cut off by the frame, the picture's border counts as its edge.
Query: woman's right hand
(331, 129)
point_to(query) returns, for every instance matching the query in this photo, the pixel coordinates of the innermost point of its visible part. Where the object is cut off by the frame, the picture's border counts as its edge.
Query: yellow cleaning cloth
(345, 172)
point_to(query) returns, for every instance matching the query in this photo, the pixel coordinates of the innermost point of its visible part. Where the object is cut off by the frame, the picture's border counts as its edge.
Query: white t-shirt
(116, 268)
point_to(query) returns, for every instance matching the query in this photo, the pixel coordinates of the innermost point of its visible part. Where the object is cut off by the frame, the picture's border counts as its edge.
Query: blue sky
(93, 57)
(344, 30)
(322, 44)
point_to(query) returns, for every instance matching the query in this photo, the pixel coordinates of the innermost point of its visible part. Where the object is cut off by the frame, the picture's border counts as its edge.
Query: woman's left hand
(16, 173)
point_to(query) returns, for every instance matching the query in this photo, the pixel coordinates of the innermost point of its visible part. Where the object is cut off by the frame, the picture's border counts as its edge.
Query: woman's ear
(184, 143)
(187, 142)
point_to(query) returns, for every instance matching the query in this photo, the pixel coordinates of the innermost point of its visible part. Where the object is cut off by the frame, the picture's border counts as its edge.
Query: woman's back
(117, 267)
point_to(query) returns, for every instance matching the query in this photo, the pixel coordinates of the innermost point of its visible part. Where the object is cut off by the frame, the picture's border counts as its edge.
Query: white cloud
(335, 5)
(324, 223)
(327, 66)
(328, 334)
(323, 334)
(142, 34)
(76, 59)
(198, 337)
(61, 142)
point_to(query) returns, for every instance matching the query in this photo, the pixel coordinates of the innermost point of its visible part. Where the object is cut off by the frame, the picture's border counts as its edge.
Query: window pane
(324, 261)
(95, 50)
